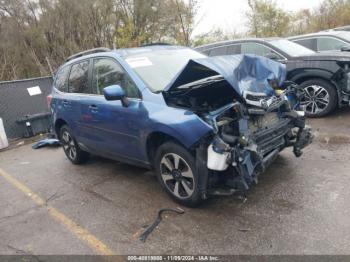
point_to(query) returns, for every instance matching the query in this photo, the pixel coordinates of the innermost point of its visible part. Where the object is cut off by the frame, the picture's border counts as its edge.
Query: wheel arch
(319, 75)
(156, 139)
(312, 74)
(58, 124)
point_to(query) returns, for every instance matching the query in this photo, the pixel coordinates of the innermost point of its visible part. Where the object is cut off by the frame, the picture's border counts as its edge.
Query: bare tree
(33, 32)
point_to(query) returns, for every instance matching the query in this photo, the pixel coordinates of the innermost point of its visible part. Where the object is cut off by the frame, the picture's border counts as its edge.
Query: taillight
(48, 99)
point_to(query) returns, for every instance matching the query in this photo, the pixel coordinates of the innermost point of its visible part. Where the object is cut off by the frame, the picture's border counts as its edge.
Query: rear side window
(256, 49)
(329, 43)
(234, 49)
(78, 78)
(107, 72)
(61, 79)
(218, 51)
(309, 43)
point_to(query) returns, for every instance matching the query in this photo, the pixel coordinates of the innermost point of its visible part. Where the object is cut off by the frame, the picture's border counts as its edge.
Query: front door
(116, 127)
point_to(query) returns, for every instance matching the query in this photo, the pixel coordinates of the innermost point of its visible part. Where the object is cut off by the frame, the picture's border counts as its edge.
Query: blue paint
(111, 129)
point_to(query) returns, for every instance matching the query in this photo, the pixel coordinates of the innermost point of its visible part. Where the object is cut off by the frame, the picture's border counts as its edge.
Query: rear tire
(71, 147)
(319, 99)
(176, 171)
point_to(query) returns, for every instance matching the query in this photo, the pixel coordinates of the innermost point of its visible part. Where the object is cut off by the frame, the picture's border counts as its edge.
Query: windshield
(157, 68)
(344, 35)
(291, 48)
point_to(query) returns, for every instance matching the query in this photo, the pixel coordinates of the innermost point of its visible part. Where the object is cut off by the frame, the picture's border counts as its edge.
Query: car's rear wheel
(319, 98)
(176, 172)
(71, 147)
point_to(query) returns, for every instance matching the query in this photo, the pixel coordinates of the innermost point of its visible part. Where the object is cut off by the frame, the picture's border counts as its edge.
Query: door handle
(93, 108)
(65, 103)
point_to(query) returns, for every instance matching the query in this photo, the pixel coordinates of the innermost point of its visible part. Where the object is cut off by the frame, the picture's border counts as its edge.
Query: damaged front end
(253, 113)
(248, 138)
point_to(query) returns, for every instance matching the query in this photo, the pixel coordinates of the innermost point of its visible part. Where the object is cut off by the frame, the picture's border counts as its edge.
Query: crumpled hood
(242, 72)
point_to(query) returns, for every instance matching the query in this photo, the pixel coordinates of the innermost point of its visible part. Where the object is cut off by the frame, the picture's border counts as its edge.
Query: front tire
(319, 98)
(71, 147)
(176, 171)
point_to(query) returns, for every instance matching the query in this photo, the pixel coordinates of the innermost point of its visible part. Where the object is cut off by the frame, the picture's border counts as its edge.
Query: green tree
(265, 19)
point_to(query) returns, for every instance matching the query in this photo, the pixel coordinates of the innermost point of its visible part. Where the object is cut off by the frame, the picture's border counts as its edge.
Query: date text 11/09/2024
(172, 258)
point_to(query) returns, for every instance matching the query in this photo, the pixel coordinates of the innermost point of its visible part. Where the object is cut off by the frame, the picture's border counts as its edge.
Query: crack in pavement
(22, 212)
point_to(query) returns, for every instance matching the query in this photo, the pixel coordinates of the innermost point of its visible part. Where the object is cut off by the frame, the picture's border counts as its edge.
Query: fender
(297, 75)
(186, 135)
(183, 125)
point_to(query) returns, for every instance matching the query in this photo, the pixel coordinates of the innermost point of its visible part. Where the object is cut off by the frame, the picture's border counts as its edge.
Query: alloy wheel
(177, 175)
(69, 145)
(315, 99)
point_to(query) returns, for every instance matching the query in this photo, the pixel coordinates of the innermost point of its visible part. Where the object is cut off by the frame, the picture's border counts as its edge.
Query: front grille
(259, 122)
(272, 137)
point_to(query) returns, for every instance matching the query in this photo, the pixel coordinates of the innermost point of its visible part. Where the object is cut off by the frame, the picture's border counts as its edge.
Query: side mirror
(345, 48)
(115, 92)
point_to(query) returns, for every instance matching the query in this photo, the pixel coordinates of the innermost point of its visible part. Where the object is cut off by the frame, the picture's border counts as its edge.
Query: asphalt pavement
(300, 205)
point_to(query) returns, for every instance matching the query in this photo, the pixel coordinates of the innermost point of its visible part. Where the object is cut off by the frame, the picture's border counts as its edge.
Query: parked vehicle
(341, 28)
(324, 41)
(208, 126)
(325, 77)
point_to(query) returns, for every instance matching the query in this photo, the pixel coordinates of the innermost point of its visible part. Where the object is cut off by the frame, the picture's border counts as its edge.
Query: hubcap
(315, 99)
(177, 175)
(69, 145)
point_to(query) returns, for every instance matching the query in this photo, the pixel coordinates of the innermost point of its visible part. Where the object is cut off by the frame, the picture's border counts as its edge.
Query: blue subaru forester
(208, 126)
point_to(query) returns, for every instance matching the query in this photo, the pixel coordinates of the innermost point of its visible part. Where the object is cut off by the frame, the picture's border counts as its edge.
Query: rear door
(61, 109)
(80, 93)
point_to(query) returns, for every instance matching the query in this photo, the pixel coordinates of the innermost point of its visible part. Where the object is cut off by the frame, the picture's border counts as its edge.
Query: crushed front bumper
(247, 162)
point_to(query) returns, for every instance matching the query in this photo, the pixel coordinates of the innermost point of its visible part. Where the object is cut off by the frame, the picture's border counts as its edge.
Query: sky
(229, 15)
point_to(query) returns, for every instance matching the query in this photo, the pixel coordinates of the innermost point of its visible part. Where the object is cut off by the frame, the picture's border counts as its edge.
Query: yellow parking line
(73, 227)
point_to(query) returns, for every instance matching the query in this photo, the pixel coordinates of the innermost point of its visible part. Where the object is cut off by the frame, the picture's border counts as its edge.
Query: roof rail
(88, 52)
(151, 44)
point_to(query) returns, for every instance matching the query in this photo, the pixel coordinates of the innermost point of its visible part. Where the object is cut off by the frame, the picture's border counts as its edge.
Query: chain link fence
(22, 99)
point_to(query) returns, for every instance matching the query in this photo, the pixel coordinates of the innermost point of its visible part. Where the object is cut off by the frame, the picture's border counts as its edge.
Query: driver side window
(107, 72)
(329, 43)
(258, 49)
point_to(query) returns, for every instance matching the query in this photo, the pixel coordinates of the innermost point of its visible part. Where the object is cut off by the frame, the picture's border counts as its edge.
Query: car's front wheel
(176, 172)
(319, 97)
(71, 147)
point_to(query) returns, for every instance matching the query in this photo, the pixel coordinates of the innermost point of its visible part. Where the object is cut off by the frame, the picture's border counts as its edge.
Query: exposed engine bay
(247, 135)
(200, 99)
(254, 115)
